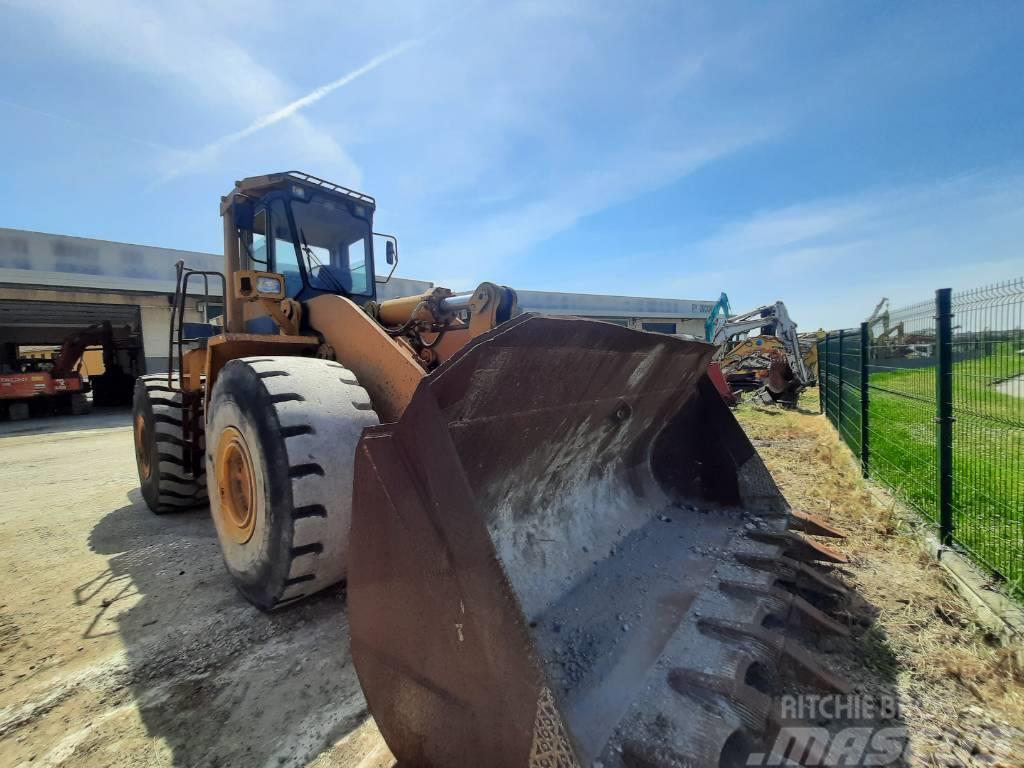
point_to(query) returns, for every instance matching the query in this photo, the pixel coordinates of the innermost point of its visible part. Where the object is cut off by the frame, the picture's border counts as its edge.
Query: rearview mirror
(243, 213)
(390, 252)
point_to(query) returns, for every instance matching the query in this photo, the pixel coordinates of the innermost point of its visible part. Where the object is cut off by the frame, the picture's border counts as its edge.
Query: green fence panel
(988, 427)
(880, 388)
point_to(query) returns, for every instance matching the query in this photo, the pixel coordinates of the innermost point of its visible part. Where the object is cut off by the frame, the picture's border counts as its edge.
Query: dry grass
(950, 676)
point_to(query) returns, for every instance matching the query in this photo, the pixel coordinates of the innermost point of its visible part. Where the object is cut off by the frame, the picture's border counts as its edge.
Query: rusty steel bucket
(566, 552)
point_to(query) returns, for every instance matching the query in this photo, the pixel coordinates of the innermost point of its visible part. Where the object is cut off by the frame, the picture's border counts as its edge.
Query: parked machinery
(561, 549)
(773, 363)
(57, 385)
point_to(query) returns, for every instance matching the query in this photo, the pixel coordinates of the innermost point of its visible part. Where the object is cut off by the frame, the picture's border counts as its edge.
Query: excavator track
(567, 552)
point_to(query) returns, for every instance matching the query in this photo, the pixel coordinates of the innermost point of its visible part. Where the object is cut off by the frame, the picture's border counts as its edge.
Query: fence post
(823, 379)
(839, 407)
(944, 410)
(864, 347)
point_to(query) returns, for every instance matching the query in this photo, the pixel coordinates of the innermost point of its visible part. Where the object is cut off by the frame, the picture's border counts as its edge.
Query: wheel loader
(560, 548)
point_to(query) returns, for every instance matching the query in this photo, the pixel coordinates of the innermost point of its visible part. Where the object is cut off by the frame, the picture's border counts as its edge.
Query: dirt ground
(123, 643)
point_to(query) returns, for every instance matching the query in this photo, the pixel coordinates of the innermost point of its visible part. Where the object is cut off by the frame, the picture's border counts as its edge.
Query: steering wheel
(330, 281)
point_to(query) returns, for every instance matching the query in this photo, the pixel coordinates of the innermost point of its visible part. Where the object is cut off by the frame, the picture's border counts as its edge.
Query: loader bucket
(565, 553)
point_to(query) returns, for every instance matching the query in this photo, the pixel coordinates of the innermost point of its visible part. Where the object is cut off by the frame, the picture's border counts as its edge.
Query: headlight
(271, 285)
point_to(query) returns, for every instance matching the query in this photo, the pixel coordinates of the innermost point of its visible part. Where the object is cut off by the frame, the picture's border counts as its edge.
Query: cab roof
(259, 184)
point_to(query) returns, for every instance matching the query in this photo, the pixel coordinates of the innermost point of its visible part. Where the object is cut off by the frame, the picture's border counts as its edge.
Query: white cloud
(207, 154)
(187, 49)
(832, 259)
(500, 238)
(86, 126)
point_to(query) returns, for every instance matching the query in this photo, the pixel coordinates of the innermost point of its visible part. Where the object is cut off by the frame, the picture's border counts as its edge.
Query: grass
(944, 664)
(988, 452)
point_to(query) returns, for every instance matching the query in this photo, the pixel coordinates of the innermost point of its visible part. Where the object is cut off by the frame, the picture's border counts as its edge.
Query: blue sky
(822, 153)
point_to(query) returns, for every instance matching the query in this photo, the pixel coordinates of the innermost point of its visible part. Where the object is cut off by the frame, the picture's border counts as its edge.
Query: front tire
(281, 441)
(161, 455)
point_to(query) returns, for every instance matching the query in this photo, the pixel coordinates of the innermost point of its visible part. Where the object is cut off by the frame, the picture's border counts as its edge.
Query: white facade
(101, 278)
(92, 280)
(676, 316)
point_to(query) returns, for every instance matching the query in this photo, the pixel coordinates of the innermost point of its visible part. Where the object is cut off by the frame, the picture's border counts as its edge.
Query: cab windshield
(323, 241)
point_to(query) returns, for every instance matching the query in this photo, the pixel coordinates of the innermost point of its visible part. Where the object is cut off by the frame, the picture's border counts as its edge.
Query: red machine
(20, 391)
(60, 388)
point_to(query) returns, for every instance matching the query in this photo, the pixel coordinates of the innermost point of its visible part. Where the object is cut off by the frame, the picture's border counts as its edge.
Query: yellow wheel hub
(236, 484)
(142, 447)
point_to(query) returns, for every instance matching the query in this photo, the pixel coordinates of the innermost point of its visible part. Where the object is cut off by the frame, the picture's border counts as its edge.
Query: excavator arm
(74, 347)
(772, 319)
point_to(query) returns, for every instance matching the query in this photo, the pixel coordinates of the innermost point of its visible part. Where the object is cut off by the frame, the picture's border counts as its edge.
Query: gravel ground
(123, 643)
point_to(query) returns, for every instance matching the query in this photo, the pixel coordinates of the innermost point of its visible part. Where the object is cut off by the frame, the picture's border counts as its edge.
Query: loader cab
(318, 235)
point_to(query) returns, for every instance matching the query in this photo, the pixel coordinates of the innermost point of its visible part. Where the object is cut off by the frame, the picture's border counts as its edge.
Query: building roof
(63, 261)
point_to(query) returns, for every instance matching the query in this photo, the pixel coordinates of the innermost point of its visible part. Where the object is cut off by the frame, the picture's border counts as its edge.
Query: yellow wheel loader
(560, 547)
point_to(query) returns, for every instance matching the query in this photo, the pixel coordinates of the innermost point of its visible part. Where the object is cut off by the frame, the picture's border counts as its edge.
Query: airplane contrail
(267, 120)
(314, 96)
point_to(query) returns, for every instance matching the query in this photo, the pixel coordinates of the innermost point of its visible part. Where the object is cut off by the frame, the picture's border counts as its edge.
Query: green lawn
(988, 452)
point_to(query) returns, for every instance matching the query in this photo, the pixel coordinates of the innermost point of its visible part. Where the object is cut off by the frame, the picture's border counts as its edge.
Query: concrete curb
(994, 611)
(997, 613)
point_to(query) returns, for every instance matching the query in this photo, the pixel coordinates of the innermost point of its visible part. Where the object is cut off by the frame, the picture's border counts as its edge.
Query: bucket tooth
(810, 578)
(814, 525)
(811, 671)
(765, 643)
(799, 548)
(786, 607)
(802, 612)
(752, 706)
(796, 573)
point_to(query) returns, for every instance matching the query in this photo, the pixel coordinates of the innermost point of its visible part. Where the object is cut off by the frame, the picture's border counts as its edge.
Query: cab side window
(285, 261)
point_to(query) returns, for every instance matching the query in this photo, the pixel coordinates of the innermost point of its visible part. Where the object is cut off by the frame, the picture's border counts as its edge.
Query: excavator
(560, 547)
(773, 363)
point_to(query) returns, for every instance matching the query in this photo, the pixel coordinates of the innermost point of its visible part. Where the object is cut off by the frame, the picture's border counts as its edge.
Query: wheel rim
(236, 486)
(142, 447)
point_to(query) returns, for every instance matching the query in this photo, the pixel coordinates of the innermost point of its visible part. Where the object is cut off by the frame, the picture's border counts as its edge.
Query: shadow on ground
(220, 682)
(864, 726)
(225, 685)
(99, 418)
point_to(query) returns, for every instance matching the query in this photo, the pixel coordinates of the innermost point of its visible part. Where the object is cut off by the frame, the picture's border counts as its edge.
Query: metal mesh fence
(988, 427)
(840, 356)
(902, 358)
(941, 418)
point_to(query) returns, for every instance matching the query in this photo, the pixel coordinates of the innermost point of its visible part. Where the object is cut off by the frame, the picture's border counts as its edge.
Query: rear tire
(160, 450)
(282, 436)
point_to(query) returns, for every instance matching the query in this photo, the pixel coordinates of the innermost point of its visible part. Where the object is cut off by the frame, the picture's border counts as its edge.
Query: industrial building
(53, 285)
(673, 316)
